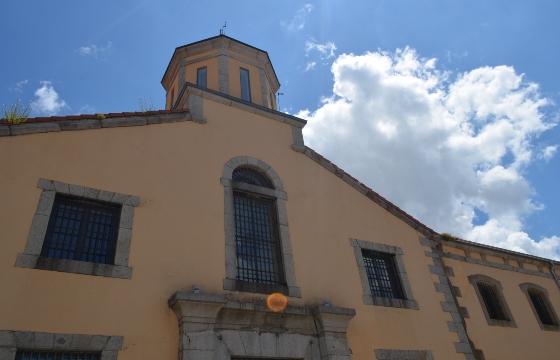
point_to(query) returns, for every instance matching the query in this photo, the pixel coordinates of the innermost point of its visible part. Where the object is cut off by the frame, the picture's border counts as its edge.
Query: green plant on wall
(145, 107)
(16, 113)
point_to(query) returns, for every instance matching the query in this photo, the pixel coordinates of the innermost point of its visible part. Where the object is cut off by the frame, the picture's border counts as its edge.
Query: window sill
(73, 266)
(389, 302)
(550, 327)
(503, 323)
(251, 287)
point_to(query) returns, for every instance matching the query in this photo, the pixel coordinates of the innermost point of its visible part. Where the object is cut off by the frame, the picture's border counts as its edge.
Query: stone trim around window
(31, 256)
(525, 287)
(230, 282)
(11, 341)
(390, 354)
(408, 302)
(473, 279)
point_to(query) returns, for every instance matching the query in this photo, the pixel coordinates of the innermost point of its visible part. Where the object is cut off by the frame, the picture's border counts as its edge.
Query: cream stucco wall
(527, 341)
(178, 239)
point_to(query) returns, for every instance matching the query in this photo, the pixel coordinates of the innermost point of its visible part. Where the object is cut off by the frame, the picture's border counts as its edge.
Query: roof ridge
(94, 116)
(372, 195)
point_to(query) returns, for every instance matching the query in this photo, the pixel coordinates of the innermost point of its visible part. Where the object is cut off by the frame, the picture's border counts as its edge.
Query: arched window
(251, 176)
(541, 306)
(492, 301)
(258, 249)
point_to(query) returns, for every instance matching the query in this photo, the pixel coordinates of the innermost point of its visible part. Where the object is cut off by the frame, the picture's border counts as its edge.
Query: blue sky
(445, 107)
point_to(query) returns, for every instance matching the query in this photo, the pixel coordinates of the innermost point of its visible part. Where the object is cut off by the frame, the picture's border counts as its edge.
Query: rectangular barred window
(82, 229)
(491, 301)
(55, 355)
(256, 237)
(382, 275)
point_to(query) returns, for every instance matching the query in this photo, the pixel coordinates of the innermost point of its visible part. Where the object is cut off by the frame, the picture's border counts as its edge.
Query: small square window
(383, 275)
(34, 345)
(201, 77)
(245, 86)
(82, 229)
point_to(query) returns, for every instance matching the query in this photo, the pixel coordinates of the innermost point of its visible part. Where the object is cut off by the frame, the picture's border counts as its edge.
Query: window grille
(252, 177)
(540, 306)
(55, 355)
(256, 237)
(491, 301)
(382, 275)
(83, 230)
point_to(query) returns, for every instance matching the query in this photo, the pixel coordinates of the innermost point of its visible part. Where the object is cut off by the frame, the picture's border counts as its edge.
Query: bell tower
(225, 65)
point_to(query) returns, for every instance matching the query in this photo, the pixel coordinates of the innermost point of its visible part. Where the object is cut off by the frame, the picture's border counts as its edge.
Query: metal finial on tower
(223, 29)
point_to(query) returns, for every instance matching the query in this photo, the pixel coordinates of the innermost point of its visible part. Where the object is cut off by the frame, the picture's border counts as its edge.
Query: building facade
(161, 235)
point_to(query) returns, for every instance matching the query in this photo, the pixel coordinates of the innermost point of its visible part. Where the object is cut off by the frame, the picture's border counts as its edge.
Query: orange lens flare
(277, 302)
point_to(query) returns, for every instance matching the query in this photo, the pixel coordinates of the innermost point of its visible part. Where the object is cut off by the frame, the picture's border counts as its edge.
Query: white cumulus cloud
(298, 21)
(438, 144)
(48, 102)
(326, 50)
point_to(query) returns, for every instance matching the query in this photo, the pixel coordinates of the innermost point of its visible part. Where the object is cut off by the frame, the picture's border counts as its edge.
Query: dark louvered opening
(250, 176)
(55, 355)
(382, 275)
(538, 301)
(256, 237)
(82, 229)
(491, 301)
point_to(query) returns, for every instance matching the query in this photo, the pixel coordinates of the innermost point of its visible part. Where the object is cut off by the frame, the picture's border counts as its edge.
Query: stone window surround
(230, 282)
(31, 256)
(11, 341)
(408, 302)
(474, 279)
(525, 287)
(390, 354)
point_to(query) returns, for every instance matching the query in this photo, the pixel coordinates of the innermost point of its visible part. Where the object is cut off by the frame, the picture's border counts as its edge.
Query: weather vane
(223, 29)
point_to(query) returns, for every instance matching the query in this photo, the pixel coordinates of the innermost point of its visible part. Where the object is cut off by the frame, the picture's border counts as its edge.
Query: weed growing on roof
(16, 113)
(448, 237)
(100, 116)
(145, 107)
